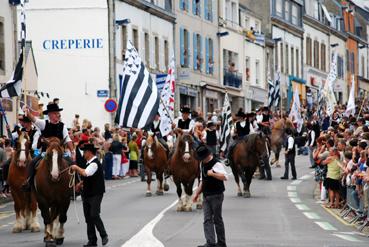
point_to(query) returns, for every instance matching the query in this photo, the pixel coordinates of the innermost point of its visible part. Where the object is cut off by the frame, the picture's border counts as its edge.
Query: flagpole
(165, 108)
(6, 122)
(362, 104)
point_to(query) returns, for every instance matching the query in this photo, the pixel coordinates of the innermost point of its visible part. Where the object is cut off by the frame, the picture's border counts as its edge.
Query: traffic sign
(110, 105)
(102, 93)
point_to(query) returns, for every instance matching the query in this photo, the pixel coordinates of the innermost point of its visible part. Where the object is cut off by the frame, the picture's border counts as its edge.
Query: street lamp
(222, 34)
(122, 22)
(334, 45)
(363, 46)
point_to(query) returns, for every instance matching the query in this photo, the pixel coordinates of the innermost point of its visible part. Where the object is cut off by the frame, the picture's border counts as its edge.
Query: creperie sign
(72, 44)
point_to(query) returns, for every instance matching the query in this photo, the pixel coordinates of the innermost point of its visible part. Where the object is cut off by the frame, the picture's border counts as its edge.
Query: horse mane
(180, 147)
(251, 140)
(53, 143)
(279, 124)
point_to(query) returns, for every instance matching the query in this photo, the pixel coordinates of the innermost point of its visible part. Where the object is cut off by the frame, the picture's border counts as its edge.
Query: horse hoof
(199, 206)
(166, 187)
(188, 209)
(148, 194)
(239, 194)
(35, 229)
(247, 194)
(50, 243)
(16, 230)
(59, 241)
(159, 193)
(180, 209)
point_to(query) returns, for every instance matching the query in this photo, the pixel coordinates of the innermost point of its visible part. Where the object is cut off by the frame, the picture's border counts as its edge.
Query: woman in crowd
(133, 156)
(116, 148)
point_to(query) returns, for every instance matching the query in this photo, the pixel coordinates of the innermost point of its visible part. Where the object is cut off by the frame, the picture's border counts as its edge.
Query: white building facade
(72, 55)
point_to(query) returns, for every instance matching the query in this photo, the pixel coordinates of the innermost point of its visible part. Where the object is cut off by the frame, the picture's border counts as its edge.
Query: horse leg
(45, 213)
(237, 180)
(159, 177)
(189, 192)
(34, 225)
(18, 226)
(59, 237)
(276, 154)
(249, 172)
(149, 178)
(179, 194)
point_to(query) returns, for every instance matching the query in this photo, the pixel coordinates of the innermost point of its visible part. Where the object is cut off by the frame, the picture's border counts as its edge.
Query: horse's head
(261, 144)
(185, 145)
(22, 149)
(150, 146)
(53, 156)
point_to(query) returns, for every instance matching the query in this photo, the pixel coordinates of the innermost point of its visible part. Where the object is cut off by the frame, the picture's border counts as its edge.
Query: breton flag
(277, 86)
(139, 100)
(295, 111)
(350, 109)
(13, 87)
(270, 93)
(166, 108)
(226, 124)
(328, 93)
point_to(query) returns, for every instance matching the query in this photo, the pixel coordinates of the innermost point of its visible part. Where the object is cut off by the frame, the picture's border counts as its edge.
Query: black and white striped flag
(139, 100)
(277, 96)
(226, 124)
(270, 93)
(13, 87)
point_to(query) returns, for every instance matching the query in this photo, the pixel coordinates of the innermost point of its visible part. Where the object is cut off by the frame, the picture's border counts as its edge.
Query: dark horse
(25, 204)
(184, 168)
(245, 157)
(155, 160)
(277, 137)
(53, 192)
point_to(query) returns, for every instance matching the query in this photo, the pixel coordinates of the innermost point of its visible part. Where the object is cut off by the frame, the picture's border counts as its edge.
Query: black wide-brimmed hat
(202, 152)
(210, 124)
(52, 108)
(240, 114)
(25, 119)
(185, 109)
(89, 147)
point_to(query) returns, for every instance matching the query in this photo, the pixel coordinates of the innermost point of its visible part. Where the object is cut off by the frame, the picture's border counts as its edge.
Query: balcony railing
(232, 79)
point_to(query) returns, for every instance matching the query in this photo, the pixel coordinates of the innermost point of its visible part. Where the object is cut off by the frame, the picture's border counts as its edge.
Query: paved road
(280, 213)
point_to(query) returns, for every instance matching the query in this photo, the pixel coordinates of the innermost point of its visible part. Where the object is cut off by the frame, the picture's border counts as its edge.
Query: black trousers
(91, 210)
(213, 220)
(290, 160)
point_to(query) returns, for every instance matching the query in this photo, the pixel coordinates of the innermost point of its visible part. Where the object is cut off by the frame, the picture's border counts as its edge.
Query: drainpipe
(112, 56)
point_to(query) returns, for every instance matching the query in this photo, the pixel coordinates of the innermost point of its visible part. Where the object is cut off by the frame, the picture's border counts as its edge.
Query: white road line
(295, 200)
(145, 237)
(305, 177)
(292, 194)
(326, 226)
(296, 182)
(302, 207)
(291, 188)
(347, 237)
(311, 215)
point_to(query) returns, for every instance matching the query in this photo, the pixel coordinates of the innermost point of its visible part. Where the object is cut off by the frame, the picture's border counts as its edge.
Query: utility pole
(112, 57)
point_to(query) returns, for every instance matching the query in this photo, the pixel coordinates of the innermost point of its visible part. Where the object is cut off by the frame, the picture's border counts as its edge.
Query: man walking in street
(290, 154)
(212, 186)
(93, 185)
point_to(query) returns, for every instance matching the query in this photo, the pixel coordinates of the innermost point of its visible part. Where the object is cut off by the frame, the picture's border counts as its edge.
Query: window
(297, 63)
(276, 59)
(278, 8)
(347, 60)
(156, 42)
(287, 10)
(295, 15)
(197, 52)
(352, 63)
(323, 57)
(208, 6)
(166, 54)
(340, 67)
(362, 66)
(287, 65)
(209, 60)
(2, 48)
(147, 49)
(257, 71)
(196, 7)
(184, 47)
(282, 61)
(257, 27)
(247, 23)
(308, 51)
(184, 4)
(316, 54)
(248, 72)
(228, 10)
(234, 12)
(316, 9)
(135, 38)
(124, 41)
(292, 61)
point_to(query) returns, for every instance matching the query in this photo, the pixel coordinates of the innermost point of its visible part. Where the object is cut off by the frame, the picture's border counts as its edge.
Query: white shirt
(259, 118)
(312, 133)
(291, 142)
(91, 167)
(41, 124)
(36, 136)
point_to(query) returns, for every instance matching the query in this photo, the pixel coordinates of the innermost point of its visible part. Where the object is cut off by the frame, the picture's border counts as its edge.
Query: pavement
(279, 213)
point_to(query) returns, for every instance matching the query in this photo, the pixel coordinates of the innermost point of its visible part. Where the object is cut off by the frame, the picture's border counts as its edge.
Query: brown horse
(245, 157)
(184, 168)
(25, 204)
(53, 192)
(277, 137)
(155, 160)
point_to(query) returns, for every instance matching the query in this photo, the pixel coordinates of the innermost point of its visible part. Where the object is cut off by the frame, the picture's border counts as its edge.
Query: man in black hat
(211, 137)
(93, 185)
(28, 127)
(265, 124)
(213, 175)
(49, 128)
(185, 122)
(290, 154)
(242, 126)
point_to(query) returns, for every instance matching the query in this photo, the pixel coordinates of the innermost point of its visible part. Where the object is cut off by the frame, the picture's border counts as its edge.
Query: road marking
(302, 207)
(326, 226)
(296, 182)
(6, 214)
(347, 237)
(305, 177)
(292, 194)
(337, 217)
(311, 215)
(293, 188)
(295, 200)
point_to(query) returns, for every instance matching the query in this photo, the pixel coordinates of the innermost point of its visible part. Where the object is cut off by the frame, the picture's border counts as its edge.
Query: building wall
(73, 75)
(340, 84)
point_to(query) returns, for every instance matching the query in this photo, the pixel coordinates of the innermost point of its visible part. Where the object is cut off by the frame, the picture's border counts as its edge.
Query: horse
(184, 169)
(52, 191)
(245, 157)
(25, 204)
(155, 160)
(277, 137)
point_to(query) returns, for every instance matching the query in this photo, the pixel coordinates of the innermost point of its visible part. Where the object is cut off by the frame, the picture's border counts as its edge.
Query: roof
(29, 52)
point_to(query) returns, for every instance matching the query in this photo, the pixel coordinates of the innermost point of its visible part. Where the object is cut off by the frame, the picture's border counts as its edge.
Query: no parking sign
(110, 105)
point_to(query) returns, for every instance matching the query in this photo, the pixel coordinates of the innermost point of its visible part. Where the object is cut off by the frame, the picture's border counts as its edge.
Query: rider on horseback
(155, 129)
(49, 128)
(185, 122)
